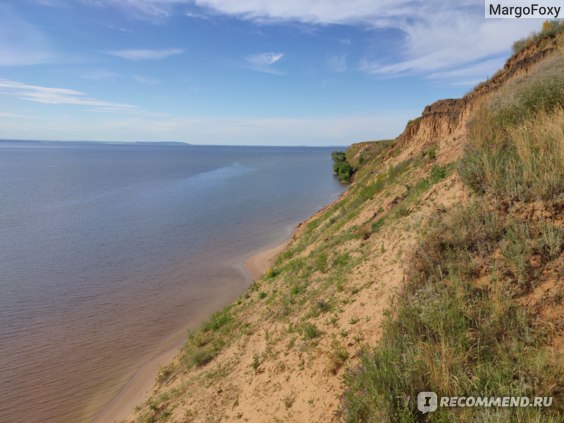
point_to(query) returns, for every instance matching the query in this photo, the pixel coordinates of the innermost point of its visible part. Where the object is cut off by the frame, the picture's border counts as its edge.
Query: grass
(218, 320)
(516, 147)
(461, 326)
(549, 30)
(256, 361)
(338, 356)
(450, 336)
(310, 331)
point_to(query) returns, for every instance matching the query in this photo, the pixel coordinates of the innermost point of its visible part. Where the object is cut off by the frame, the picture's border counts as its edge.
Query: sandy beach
(259, 263)
(139, 387)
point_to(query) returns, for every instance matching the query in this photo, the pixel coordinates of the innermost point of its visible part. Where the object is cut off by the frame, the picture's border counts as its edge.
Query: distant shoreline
(161, 143)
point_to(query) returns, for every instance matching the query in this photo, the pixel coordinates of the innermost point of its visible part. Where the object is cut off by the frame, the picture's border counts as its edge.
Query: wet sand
(259, 263)
(139, 387)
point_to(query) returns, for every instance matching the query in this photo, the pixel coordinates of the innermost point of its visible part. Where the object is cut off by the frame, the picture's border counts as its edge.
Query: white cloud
(49, 95)
(147, 80)
(263, 62)
(264, 59)
(481, 70)
(21, 43)
(13, 115)
(99, 75)
(152, 10)
(308, 11)
(338, 63)
(146, 54)
(437, 35)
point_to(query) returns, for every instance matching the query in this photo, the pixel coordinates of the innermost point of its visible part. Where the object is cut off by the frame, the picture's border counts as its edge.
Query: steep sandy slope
(280, 352)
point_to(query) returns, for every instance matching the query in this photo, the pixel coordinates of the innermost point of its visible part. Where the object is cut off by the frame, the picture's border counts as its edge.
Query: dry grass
(540, 154)
(549, 30)
(516, 143)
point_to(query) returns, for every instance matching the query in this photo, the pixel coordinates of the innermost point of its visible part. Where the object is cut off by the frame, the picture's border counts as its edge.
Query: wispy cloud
(436, 35)
(50, 95)
(146, 54)
(147, 80)
(262, 62)
(14, 115)
(470, 74)
(21, 43)
(151, 10)
(99, 75)
(338, 63)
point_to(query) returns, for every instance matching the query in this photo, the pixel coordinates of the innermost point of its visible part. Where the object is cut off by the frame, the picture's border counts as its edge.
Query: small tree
(341, 166)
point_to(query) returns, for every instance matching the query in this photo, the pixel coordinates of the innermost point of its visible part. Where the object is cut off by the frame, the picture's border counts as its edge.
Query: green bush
(218, 320)
(341, 166)
(310, 331)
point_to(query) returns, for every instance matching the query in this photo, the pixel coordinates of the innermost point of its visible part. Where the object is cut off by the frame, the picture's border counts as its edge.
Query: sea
(109, 253)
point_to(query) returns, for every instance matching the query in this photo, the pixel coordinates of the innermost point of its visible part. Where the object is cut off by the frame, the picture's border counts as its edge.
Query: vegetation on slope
(297, 314)
(549, 30)
(341, 166)
(471, 320)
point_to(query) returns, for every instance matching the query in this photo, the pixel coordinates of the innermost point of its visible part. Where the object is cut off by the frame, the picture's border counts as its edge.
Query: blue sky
(270, 72)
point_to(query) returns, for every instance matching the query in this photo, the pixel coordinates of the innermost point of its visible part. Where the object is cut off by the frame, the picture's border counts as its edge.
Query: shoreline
(142, 382)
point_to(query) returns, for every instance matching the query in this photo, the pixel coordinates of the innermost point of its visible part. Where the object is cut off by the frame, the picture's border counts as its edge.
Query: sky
(242, 72)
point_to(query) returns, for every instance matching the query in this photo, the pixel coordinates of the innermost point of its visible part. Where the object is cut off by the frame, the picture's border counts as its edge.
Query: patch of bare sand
(259, 263)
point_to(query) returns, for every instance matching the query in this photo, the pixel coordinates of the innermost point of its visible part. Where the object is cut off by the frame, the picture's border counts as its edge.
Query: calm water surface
(108, 252)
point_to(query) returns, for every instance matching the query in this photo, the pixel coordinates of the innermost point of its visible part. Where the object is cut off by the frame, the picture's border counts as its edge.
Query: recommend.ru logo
(427, 401)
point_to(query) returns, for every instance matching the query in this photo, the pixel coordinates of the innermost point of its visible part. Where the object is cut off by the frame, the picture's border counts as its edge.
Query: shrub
(218, 319)
(338, 356)
(438, 173)
(341, 166)
(310, 331)
(344, 171)
(200, 356)
(323, 306)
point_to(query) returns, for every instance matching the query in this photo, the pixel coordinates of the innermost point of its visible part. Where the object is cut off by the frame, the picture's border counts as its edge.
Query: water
(108, 252)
